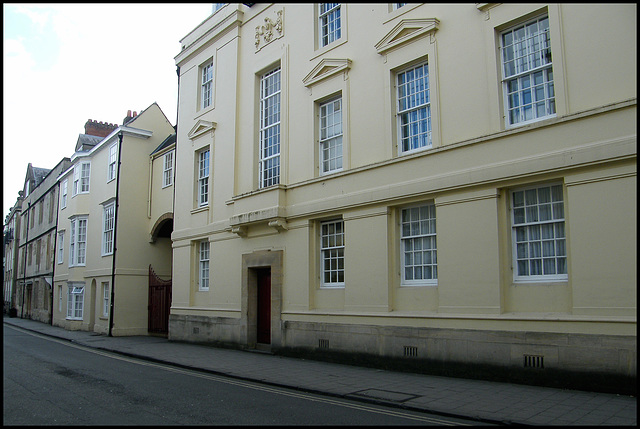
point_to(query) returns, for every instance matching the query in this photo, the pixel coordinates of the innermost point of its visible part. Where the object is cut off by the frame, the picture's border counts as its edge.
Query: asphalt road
(48, 381)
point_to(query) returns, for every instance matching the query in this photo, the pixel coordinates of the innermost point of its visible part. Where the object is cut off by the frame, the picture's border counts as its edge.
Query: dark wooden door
(159, 304)
(264, 306)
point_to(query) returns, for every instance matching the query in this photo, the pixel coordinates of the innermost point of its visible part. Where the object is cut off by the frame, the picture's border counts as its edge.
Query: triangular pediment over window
(200, 128)
(325, 68)
(406, 31)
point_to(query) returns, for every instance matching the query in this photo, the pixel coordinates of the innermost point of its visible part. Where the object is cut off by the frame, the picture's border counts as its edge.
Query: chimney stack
(99, 129)
(129, 117)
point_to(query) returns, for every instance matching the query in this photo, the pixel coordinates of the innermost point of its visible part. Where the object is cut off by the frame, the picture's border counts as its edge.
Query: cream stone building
(114, 213)
(448, 186)
(11, 241)
(36, 241)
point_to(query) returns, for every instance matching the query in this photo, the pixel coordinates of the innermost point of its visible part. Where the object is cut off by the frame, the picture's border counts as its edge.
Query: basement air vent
(533, 361)
(196, 330)
(410, 351)
(323, 344)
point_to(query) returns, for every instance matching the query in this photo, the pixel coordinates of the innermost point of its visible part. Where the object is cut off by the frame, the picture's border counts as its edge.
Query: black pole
(55, 252)
(115, 229)
(24, 266)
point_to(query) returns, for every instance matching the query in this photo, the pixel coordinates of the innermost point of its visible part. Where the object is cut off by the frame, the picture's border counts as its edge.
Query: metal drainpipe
(24, 267)
(175, 160)
(173, 205)
(115, 230)
(55, 251)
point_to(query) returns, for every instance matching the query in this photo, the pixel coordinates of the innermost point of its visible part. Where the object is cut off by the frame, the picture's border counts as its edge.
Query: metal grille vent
(323, 344)
(410, 351)
(533, 361)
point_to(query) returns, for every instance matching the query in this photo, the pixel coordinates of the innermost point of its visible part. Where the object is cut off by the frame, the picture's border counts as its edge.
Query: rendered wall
(134, 251)
(477, 313)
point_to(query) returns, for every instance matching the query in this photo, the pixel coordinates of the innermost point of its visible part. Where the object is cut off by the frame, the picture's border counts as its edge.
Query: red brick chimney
(99, 129)
(129, 117)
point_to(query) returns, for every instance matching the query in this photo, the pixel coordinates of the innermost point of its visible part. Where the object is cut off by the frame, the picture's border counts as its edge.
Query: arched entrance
(160, 289)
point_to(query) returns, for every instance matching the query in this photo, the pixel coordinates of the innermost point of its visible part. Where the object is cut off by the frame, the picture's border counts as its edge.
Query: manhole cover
(385, 395)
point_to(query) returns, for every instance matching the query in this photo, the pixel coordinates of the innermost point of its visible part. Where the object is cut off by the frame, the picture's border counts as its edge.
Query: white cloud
(107, 59)
(37, 14)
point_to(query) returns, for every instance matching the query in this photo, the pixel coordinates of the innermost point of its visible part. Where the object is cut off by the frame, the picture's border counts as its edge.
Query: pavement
(482, 401)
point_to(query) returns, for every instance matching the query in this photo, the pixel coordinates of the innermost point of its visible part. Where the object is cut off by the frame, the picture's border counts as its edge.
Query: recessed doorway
(263, 325)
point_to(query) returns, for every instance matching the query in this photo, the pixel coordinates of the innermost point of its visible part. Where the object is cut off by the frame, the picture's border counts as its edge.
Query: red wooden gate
(159, 303)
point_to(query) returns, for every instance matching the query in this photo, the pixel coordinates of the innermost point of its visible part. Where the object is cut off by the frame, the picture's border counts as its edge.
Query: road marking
(240, 383)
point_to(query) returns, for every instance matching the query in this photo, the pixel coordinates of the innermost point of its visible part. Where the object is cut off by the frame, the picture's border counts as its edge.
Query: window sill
(329, 173)
(533, 121)
(400, 11)
(200, 209)
(204, 111)
(323, 50)
(544, 282)
(407, 286)
(413, 151)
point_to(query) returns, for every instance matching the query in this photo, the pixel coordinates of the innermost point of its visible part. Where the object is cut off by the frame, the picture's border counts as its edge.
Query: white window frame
(527, 72)
(332, 254)
(85, 177)
(78, 241)
(60, 247)
(204, 250)
(330, 136)
(75, 302)
(60, 298)
(329, 23)
(113, 158)
(72, 242)
(81, 178)
(108, 227)
(418, 245)
(167, 169)
(105, 299)
(538, 234)
(206, 86)
(65, 190)
(270, 141)
(203, 168)
(76, 181)
(413, 109)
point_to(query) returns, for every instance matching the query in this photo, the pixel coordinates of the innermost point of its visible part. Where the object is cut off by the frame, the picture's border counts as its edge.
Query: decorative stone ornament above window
(270, 31)
(406, 31)
(201, 127)
(325, 68)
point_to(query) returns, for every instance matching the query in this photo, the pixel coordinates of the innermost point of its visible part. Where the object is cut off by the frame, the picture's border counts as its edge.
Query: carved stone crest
(270, 31)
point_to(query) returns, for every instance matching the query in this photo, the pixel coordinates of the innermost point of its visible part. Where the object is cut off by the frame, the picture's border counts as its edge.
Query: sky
(64, 64)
